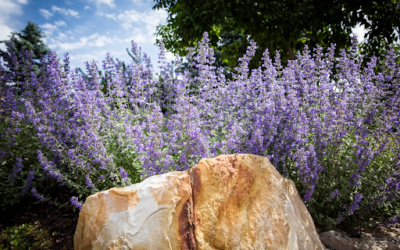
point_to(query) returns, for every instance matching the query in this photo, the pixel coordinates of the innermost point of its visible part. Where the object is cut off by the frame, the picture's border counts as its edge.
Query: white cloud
(138, 2)
(60, 23)
(47, 14)
(153, 18)
(66, 12)
(107, 2)
(48, 28)
(139, 37)
(94, 40)
(61, 36)
(111, 16)
(5, 32)
(148, 21)
(87, 7)
(8, 8)
(79, 59)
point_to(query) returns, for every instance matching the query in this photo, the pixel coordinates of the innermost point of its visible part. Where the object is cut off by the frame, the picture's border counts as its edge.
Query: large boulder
(152, 214)
(229, 202)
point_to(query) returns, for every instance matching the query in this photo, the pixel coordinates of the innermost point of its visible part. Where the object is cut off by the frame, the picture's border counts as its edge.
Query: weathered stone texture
(147, 215)
(242, 202)
(228, 202)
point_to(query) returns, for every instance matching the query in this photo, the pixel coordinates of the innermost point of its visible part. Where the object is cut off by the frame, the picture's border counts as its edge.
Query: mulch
(53, 219)
(63, 221)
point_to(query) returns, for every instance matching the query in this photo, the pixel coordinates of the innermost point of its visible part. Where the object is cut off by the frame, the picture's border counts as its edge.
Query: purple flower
(75, 203)
(123, 173)
(16, 170)
(89, 181)
(71, 154)
(38, 196)
(334, 194)
(358, 198)
(28, 184)
(19, 162)
(310, 116)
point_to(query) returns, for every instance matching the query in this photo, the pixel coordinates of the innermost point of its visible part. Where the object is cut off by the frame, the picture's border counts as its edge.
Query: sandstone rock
(228, 202)
(148, 215)
(242, 202)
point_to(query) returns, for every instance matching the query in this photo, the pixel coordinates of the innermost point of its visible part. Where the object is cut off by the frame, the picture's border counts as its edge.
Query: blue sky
(88, 29)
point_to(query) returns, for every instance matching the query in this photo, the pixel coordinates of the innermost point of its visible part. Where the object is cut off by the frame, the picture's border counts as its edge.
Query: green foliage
(173, 44)
(25, 145)
(277, 25)
(338, 166)
(124, 153)
(25, 236)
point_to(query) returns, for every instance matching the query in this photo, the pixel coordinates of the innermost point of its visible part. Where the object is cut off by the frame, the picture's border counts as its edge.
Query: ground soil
(53, 219)
(63, 221)
(377, 234)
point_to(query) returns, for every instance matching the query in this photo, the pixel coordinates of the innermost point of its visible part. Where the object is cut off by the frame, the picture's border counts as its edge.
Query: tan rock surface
(148, 215)
(242, 202)
(228, 202)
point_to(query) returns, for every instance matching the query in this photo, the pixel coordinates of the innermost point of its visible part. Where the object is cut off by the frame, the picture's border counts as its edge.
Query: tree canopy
(29, 39)
(284, 26)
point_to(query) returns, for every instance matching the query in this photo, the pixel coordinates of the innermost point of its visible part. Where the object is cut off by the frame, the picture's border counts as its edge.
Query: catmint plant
(323, 120)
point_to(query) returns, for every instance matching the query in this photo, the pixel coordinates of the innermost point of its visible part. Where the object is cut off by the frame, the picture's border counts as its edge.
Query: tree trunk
(291, 50)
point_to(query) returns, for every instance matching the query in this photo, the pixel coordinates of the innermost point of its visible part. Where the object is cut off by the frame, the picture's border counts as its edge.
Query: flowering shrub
(324, 121)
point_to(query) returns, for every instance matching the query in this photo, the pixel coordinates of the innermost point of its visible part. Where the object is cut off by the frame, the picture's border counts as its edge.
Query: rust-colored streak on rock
(229, 202)
(96, 211)
(187, 239)
(177, 190)
(195, 174)
(195, 184)
(241, 202)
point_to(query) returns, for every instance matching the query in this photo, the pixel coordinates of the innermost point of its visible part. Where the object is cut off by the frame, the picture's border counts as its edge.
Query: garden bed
(63, 222)
(375, 237)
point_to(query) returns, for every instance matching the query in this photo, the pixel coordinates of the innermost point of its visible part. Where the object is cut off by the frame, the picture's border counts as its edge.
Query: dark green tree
(29, 39)
(284, 26)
